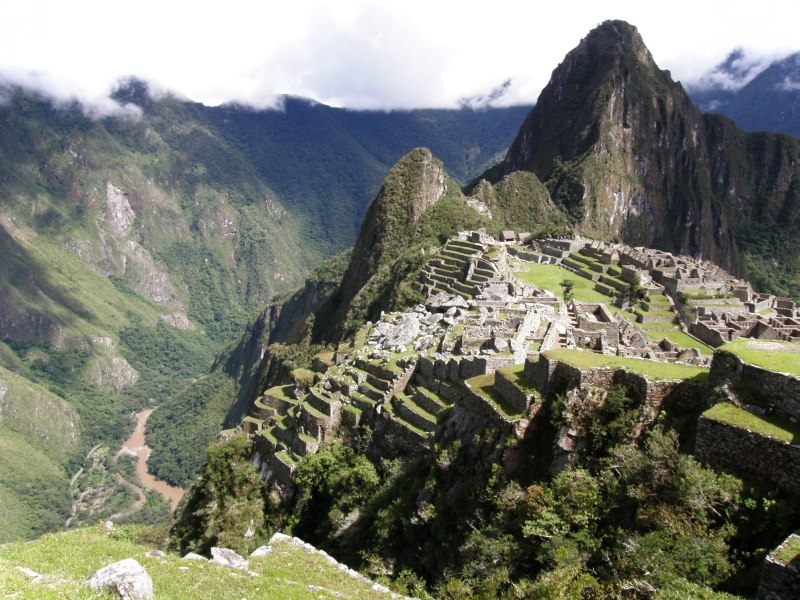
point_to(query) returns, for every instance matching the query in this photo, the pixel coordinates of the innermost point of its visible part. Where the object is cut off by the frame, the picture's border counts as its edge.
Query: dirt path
(136, 445)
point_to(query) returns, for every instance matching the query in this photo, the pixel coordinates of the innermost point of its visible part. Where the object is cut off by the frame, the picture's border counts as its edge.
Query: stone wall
(524, 254)
(779, 578)
(478, 405)
(515, 396)
(708, 335)
(782, 390)
(555, 377)
(739, 450)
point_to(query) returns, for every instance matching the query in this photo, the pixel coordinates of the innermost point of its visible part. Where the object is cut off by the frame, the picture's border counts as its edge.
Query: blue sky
(359, 54)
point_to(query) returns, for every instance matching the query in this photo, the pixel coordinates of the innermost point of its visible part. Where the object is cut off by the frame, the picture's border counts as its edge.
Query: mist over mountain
(757, 93)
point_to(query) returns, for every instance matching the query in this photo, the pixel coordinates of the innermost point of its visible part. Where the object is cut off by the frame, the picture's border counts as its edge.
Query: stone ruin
(473, 347)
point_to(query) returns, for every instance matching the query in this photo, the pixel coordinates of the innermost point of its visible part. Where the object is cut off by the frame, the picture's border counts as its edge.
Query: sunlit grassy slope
(288, 572)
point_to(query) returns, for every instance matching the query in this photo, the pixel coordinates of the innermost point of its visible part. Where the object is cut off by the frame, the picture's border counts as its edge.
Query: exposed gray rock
(155, 553)
(516, 347)
(126, 578)
(404, 331)
(228, 558)
(262, 551)
(28, 572)
(193, 556)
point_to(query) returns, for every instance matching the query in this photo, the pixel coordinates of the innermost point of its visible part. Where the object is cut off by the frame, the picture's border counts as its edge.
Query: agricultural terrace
(649, 368)
(783, 357)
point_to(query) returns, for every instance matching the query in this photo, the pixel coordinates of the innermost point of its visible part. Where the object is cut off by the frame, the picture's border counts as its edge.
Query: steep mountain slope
(418, 207)
(132, 248)
(622, 149)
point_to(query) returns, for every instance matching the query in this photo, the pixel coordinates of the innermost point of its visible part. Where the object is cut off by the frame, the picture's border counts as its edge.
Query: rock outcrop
(126, 578)
(623, 150)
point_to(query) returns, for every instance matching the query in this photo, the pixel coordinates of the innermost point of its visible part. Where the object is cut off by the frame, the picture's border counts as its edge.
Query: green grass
(658, 313)
(547, 277)
(790, 554)
(652, 369)
(282, 391)
(679, 337)
(74, 556)
(775, 356)
(767, 425)
(484, 385)
(515, 374)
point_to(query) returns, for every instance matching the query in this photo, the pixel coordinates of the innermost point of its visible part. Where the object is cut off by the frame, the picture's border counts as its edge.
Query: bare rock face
(120, 214)
(114, 372)
(402, 332)
(126, 578)
(178, 320)
(228, 558)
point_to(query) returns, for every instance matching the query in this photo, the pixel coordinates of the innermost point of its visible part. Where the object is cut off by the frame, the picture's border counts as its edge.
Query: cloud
(493, 98)
(376, 61)
(738, 69)
(65, 93)
(378, 54)
(789, 85)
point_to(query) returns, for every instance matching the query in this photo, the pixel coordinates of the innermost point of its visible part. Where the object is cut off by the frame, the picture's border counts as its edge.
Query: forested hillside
(134, 247)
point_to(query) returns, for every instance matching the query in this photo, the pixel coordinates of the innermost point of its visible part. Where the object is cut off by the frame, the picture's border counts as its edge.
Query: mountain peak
(606, 71)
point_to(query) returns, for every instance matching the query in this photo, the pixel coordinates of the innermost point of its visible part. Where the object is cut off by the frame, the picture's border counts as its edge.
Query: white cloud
(65, 92)
(361, 53)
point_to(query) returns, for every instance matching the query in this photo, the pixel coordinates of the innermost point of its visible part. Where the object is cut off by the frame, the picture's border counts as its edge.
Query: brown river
(136, 445)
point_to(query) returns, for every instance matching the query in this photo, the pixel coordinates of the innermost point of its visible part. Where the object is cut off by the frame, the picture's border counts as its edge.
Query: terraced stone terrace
(771, 426)
(649, 368)
(773, 355)
(466, 347)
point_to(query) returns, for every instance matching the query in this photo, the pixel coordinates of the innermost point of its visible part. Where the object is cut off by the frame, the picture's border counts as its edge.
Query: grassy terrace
(679, 337)
(790, 554)
(547, 277)
(515, 374)
(484, 386)
(282, 391)
(652, 369)
(767, 425)
(305, 376)
(74, 555)
(775, 356)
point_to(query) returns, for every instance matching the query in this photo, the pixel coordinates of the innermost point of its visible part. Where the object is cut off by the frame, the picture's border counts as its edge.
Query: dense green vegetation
(636, 517)
(166, 358)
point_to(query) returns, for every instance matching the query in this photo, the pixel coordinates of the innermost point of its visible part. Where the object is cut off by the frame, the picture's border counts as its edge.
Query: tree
(566, 288)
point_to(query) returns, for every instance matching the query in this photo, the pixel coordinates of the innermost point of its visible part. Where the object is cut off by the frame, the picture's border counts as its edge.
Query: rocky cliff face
(623, 150)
